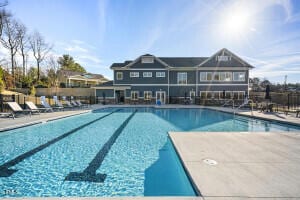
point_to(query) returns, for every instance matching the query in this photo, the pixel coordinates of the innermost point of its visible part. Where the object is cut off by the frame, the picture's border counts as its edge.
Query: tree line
(18, 41)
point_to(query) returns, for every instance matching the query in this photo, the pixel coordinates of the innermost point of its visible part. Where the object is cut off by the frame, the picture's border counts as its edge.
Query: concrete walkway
(26, 120)
(248, 165)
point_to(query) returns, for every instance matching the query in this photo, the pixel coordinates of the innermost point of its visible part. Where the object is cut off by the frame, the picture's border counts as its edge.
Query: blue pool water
(111, 152)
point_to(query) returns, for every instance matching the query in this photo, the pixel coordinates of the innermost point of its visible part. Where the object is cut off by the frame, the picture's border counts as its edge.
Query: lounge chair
(33, 107)
(16, 109)
(6, 114)
(81, 104)
(46, 105)
(68, 104)
(75, 104)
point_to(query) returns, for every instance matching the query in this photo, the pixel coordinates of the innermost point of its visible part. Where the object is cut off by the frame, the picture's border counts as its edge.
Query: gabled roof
(183, 61)
(234, 61)
(168, 62)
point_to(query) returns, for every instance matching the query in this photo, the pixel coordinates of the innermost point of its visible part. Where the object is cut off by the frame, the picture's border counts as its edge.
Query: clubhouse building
(149, 79)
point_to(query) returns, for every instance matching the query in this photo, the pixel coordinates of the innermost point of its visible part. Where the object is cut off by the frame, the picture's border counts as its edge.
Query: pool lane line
(89, 173)
(4, 168)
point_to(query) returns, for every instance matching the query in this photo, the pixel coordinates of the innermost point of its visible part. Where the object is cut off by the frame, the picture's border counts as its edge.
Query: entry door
(161, 95)
(192, 96)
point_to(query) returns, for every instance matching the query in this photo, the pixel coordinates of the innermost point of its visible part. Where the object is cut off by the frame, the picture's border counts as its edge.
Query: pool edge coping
(41, 121)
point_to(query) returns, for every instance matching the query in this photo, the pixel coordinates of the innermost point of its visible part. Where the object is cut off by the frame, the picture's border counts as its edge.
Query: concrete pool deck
(249, 165)
(26, 120)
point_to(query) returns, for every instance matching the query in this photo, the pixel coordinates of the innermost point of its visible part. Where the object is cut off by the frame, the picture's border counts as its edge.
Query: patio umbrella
(268, 92)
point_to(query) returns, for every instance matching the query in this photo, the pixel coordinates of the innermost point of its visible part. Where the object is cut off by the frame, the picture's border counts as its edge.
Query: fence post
(13, 97)
(1, 102)
(24, 102)
(288, 101)
(90, 100)
(18, 99)
(35, 99)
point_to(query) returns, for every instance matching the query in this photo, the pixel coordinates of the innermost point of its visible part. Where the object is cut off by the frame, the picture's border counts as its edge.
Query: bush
(62, 85)
(32, 91)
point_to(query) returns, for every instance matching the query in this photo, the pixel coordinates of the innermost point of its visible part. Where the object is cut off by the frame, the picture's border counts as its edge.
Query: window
(181, 78)
(203, 76)
(222, 76)
(119, 75)
(223, 58)
(241, 95)
(160, 74)
(134, 95)
(147, 74)
(147, 95)
(134, 74)
(216, 76)
(147, 59)
(228, 95)
(203, 95)
(239, 76)
(228, 76)
(209, 76)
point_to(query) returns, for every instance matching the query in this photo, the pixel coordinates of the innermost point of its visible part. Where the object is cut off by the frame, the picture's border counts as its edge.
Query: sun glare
(236, 24)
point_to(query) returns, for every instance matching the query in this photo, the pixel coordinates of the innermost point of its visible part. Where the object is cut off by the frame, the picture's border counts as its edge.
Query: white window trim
(121, 76)
(239, 75)
(134, 74)
(205, 76)
(226, 92)
(178, 73)
(159, 74)
(147, 59)
(145, 74)
(150, 95)
(137, 96)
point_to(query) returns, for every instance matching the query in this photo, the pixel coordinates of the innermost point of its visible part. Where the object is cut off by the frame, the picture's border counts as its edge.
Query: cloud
(76, 48)
(90, 58)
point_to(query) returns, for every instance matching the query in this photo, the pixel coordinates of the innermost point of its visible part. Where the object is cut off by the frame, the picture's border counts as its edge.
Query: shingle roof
(108, 83)
(193, 61)
(183, 61)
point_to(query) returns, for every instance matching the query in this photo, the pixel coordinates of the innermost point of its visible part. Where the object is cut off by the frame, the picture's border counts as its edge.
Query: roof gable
(137, 63)
(224, 58)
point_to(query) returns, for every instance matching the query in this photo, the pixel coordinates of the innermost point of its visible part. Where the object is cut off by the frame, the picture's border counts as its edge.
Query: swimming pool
(109, 152)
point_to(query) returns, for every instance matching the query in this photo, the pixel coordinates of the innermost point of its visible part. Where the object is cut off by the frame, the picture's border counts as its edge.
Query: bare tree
(3, 14)
(40, 49)
(52, 70)
(11, 39)
(23, 45)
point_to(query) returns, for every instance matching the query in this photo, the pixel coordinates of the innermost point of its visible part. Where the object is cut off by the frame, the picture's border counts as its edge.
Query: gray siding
(141, 80)
(154, 65)
(179, 91)
(107, 92)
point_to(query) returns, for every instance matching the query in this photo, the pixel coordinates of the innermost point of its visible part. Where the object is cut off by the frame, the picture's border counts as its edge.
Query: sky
(97, 33)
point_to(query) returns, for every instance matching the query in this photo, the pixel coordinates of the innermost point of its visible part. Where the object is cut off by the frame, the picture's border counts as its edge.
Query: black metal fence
(284, 100)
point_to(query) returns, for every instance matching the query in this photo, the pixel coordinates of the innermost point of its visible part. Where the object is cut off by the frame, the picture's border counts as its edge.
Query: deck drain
(210, 162)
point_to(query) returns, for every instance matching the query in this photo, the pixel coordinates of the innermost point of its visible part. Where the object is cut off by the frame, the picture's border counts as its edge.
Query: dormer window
(223, 58)
(147, 59)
